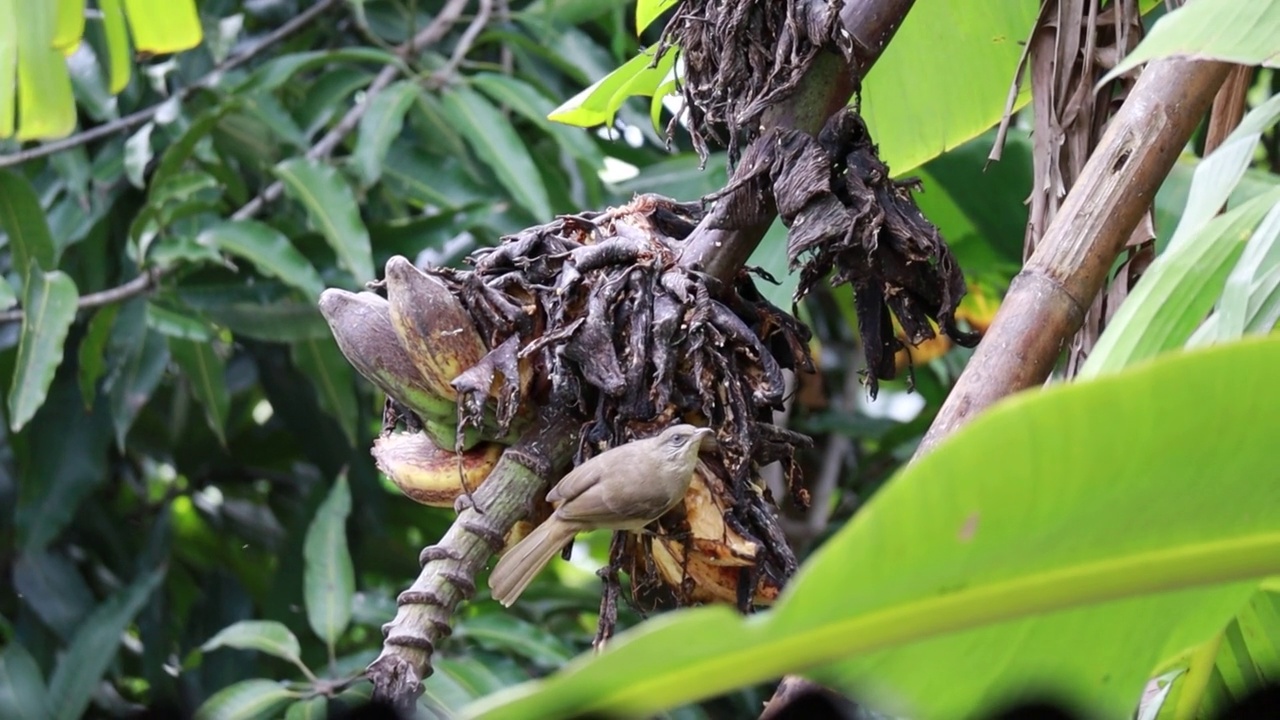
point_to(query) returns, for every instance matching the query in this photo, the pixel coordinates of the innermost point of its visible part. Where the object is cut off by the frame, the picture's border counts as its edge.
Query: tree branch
(1047, 301)
(134, 119)
(721, 245)
(449, 568)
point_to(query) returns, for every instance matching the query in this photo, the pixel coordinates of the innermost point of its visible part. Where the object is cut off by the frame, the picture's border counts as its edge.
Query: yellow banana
(432, 326)
(361, 323)
(429, 474)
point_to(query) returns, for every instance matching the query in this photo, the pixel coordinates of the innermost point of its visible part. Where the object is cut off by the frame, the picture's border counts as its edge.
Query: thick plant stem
(449, 568)
(1047, 300)
(721, 245)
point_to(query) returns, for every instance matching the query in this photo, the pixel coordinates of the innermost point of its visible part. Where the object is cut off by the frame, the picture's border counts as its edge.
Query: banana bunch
(411, 345)
(704, 562)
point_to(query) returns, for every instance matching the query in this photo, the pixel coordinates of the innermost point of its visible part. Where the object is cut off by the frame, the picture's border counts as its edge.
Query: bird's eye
(678, 439)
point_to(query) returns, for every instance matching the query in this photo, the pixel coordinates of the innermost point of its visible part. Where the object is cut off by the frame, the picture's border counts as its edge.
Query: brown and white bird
(624, 488)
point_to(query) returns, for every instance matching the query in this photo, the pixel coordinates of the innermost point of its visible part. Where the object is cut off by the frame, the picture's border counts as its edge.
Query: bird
(623, 488)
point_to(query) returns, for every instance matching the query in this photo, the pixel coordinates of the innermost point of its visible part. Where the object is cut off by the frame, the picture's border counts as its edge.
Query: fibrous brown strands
(849, 219)
(594, 313)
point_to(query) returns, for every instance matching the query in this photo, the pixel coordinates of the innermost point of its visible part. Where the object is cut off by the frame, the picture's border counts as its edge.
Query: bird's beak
(707, 439)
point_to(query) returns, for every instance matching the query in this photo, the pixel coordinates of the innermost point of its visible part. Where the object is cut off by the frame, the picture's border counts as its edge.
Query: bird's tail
(517, 568)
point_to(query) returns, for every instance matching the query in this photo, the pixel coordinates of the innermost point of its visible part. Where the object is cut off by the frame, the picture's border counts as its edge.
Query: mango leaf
(23, 695)
(46, 107)
(69, 26)
(49, 303)
(274, 73)
(497, 145)
(1063, 543)
(63, 453)
(24, 221)
(321, 361)
(163, 26)
(137, 154)
(205, 371)
(50, 584)
(245, 700)
(525, 100)
(266, 248)
(329, 579)
(266, 636)
(380, 125)
(8, 65)
(137, 360)
(1177, 291)
(119, 52)
(316, 708)
(92, 353)
(94, 647)
(1245, 33)
(332, 209)
(8, 298)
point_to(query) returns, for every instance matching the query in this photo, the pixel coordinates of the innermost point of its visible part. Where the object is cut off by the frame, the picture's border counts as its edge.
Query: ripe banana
(361, 323)
(712, 555)
(433, 327)
(429, 474)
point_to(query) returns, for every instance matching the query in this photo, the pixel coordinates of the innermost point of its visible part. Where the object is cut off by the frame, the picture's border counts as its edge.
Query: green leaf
(8, 65)
(274, 73)
(510, 634)
(498, 146)
(1063, 542)
(23, 219)
(51, 585)
(205, 371)
(381, 124)
(69, 26)
(316, 708)
(178, 324)
(93, 352)
(1245, 33)
(137, 358)
(335, 383)
(163, 26)
(49, 302)
(600, 102)
(329, 579)
(332, 208)
(76, 676)
(63, 458)
(267, 249)
(46, 107)
(649, 10)
(1177, 291)
(1260, 261)
(120, 54)
(266, 636)
(247, 700)
(23, 695)
(8, 298)
(524, 99)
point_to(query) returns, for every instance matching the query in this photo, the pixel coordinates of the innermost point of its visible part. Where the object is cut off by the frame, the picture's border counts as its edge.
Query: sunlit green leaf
(163, 26)
(1246, 33)
(69, 26)
(649, 10)
(119, 52)
(46, 108)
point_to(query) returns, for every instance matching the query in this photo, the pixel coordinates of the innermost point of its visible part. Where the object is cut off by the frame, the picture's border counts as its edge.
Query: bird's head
(681, 442)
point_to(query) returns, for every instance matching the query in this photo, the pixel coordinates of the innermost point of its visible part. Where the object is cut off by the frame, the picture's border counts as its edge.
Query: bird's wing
(577, 481)
(615, 507)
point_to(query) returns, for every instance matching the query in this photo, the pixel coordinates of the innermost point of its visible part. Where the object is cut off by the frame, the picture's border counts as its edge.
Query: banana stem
(449, 568)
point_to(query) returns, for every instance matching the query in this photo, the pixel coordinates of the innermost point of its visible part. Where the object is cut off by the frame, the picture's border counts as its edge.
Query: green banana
(435, 330)
(361, 323)
(429, 474)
